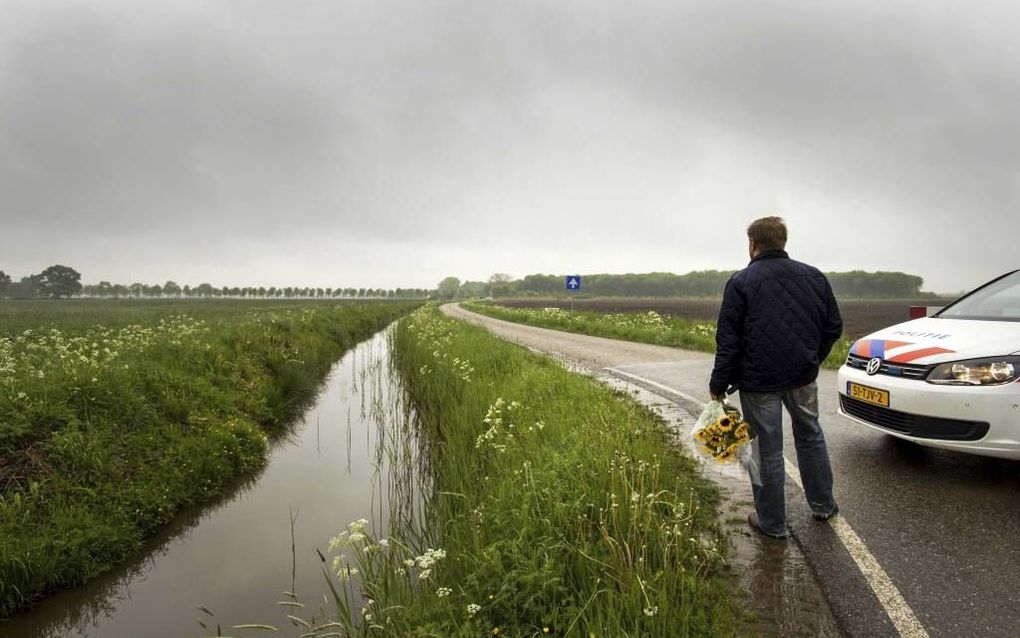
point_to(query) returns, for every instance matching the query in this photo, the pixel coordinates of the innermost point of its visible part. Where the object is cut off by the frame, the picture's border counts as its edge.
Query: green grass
(554, 506)
(644, 327)
(115, 416)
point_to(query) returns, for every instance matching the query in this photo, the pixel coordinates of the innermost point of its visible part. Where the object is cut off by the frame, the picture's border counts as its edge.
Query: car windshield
(997, 301)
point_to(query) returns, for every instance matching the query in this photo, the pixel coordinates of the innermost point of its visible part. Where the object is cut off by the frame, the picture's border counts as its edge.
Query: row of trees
(700, 283)
(858, 283)
(105, 289)
(62, 281)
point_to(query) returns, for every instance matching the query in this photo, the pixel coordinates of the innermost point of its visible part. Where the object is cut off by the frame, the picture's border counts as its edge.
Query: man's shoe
(825, 517)
(752, 520)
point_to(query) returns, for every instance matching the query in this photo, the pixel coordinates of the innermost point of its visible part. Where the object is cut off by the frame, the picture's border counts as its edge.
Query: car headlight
(992, 371)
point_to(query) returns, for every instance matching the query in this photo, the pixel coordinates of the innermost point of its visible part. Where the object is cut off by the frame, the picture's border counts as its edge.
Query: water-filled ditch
(231, 562)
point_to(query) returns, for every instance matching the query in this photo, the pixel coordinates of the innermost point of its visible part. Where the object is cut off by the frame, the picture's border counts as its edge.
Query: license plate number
(873, 396)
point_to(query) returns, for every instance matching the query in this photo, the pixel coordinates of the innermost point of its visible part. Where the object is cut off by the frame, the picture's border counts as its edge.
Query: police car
(951, 380)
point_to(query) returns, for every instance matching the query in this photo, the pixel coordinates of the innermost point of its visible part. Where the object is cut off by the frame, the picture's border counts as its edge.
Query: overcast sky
(388, 143)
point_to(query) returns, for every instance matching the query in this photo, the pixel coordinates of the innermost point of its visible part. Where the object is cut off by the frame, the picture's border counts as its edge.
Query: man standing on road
(777, 323)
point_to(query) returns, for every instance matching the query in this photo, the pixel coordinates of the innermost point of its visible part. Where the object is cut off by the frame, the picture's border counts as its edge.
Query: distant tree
(137, 289)
(171, 289)
(5, 282)
(59, 281)
(104, 289)
(858, 283)
(448, 288)
(473, 290)
(500, 284)
(542, 284)
(204, 290)
(25, 288)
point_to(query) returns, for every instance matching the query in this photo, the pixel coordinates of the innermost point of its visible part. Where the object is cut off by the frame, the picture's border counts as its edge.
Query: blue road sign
(573, 282)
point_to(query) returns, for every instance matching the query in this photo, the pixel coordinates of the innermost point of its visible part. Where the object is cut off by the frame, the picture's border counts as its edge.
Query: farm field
(860, 316)
(114, 416)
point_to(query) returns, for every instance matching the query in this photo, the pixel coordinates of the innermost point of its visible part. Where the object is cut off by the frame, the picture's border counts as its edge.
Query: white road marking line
(895, 606)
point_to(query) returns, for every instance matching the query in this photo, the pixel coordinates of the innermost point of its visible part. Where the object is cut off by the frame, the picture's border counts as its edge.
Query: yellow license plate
(868, 395)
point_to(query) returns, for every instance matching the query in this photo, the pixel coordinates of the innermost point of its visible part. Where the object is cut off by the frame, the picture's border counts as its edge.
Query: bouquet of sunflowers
(721, 434)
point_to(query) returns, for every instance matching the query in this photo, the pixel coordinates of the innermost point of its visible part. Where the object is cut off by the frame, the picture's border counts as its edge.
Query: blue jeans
(764, 411)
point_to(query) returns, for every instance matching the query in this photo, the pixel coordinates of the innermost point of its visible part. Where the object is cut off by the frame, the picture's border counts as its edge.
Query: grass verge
(644, 327)
(106, 432)
(555, 507)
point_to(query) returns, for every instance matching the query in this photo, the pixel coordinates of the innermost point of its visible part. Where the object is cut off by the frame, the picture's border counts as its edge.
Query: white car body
(901, 400)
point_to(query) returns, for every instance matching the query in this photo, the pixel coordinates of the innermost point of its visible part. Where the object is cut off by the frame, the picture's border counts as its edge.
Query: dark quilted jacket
(777, 323)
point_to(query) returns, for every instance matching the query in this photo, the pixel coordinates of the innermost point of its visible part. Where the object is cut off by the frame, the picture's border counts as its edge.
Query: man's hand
(716, 397)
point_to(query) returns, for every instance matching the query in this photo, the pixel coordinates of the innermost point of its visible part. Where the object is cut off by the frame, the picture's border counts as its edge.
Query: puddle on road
(783, 594)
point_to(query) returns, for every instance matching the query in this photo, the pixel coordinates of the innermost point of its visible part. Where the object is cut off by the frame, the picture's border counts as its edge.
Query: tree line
(699, 283)
(61, 281)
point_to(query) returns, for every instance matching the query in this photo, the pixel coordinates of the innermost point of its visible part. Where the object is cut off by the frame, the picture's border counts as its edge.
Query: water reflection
(230, 563)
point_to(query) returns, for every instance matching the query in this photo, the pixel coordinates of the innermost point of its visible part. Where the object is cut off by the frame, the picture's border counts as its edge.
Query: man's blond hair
(768, 232)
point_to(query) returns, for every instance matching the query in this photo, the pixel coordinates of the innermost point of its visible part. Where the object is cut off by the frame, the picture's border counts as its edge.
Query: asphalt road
(944, 526)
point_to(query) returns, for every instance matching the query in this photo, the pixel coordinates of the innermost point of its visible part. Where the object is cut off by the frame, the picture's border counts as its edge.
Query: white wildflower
(337, 542)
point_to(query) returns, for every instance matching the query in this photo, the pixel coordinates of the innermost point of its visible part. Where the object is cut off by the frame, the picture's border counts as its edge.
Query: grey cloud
(519, 136)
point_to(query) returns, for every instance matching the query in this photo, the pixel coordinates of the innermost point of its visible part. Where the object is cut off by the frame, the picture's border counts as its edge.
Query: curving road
(939, 532)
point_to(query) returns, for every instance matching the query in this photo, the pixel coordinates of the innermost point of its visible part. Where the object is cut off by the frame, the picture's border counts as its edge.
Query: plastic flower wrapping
(721, 436)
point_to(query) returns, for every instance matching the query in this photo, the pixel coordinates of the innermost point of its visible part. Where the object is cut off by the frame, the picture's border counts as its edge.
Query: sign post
(573, 285)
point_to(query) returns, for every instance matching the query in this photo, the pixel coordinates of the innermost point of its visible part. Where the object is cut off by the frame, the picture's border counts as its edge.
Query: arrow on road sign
(573, 282)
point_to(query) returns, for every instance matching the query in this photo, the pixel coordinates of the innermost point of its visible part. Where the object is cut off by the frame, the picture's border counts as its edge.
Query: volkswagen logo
(873, 366)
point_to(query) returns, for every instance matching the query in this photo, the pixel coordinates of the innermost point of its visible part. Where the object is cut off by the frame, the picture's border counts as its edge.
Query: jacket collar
(771, 254)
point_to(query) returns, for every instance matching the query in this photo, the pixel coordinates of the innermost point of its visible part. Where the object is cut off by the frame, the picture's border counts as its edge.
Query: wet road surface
(944, 527)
